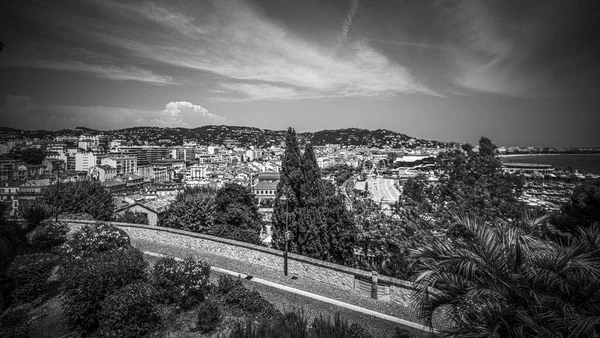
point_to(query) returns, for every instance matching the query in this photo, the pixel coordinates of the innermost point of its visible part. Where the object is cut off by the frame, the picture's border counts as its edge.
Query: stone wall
(345, 277)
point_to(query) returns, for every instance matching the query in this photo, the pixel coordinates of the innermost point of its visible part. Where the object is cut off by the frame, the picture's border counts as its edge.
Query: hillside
(240, 136)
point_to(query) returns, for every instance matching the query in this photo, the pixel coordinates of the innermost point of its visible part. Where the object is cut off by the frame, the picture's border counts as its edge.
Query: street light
(285, 236)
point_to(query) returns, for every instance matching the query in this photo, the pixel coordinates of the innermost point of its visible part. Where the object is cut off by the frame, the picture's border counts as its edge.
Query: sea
(584, 163)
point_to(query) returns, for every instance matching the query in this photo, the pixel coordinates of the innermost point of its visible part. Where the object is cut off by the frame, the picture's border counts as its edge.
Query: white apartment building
(124, 164)
(84, 161)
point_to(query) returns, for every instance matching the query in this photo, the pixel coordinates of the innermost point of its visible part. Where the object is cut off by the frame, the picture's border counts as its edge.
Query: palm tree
(504, 282)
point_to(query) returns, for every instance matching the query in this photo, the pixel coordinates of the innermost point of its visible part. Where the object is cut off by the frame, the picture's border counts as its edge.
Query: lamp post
(285, 237)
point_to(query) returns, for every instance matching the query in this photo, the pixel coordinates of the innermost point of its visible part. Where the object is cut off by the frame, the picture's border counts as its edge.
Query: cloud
(175, 111)
(24, 112)
(348, 22)
(230, 39)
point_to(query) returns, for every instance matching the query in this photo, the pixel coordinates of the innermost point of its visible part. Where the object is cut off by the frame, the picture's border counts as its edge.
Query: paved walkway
(314, 296)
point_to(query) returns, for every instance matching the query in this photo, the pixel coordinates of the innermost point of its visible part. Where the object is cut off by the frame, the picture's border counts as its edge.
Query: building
(147, 154)
(33, 189)
(253, 154)
(123, 163)
(156, 174)
(102, 173)
(196, 172)
(9, 196)
(154, 209)
(266, 188)
(183, 153)
(84, 161)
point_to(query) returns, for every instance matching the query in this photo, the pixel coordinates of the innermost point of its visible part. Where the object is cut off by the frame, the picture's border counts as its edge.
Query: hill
(240, 136)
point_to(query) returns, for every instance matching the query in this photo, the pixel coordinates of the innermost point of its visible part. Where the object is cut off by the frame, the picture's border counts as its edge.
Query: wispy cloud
(347, 23)
(104, 71)
(230, 39)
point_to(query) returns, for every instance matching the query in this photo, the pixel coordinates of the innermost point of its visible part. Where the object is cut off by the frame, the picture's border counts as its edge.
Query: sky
(519, 72)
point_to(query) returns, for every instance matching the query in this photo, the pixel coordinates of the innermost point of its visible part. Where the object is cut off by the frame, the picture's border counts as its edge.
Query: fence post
(374, 284)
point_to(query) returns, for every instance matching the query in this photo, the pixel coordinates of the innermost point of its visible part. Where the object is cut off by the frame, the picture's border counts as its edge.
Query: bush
(13, 323)
(236, 233)
(87, 281)
(250, 301)
(129, 312)
(226, 284)
(291, 324)
(402, 333)
(76, 216)
(30, 274)
(34, 213)
(96, 238)
(184, 283)
(48, 234)
(357, 331)
(209, 316)
(88, 197)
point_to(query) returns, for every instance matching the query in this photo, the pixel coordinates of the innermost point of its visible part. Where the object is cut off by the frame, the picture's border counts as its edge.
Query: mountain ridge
(242, 136)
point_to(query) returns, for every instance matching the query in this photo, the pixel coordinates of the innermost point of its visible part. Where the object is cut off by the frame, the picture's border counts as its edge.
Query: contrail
(347, 23)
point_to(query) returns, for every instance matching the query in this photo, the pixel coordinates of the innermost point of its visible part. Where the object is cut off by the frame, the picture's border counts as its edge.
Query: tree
(235, 205)
(81, 197)
(504, 282)
(288, 186)
(193, 210)
(32, 155)
(318, 220)
(582, 209)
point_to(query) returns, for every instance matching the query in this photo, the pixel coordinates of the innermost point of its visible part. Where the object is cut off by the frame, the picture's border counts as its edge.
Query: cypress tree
(289, 185)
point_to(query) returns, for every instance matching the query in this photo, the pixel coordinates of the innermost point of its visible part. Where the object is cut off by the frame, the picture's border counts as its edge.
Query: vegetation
(193, 210)
(81, 197)
(209, 316)
(505, 282)
(93, 239)
(231, 212)
(32, 155)
(86, 282)
(294, 324)
(129, 312)
(316, 217)
(34, 213)
(30, 274)
(183, 283)
(48, 234)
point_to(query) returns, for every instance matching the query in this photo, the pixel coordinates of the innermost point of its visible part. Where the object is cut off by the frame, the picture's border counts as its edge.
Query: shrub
(357, 331)
(12, 232)
(87, 281)
(236, 233)
(34, 213)
(226, 284)
(30, 274)
(209, 316)
(291, 324)
(13, 323)
(95, 238)
(88, 197)
(402, 333)
(76, 216)
(251, 302)
(129, 312)
(48, 234)
(184, 283)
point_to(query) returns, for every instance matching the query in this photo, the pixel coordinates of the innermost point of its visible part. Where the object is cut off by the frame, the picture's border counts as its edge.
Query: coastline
(549, 154)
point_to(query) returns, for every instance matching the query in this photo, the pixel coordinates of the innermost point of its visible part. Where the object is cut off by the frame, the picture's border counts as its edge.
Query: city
(286, 169)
